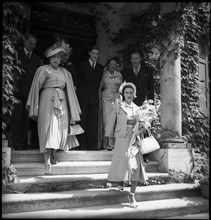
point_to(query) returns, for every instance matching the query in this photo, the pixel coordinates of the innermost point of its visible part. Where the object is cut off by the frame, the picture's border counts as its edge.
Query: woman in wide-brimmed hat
(53, 103)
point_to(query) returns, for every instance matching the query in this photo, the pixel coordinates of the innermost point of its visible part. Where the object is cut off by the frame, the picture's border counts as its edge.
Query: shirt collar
(90, 61)
(138, 67)
(26, 51)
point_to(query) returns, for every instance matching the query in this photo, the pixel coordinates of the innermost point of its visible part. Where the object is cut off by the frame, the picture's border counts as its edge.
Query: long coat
(34, 95)
(53, 102)
(122, 168)
(117, 123)
(144, 82)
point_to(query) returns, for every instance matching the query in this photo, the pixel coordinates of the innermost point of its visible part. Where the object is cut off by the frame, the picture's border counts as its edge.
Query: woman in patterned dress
(53, 103)
(110, 83)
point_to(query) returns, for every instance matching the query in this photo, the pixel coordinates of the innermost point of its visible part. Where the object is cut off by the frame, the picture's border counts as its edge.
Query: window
(204, 75)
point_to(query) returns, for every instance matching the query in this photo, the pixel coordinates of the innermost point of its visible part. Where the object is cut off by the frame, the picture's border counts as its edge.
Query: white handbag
(76, 129)
(149, 144)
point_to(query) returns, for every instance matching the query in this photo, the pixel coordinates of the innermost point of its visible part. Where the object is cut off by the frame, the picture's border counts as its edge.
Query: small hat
(53, 50)
(126, 84)
(66, 47)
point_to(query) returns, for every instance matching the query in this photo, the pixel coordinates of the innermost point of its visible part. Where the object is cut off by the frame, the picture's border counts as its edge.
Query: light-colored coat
(117, 124)
(124, 166)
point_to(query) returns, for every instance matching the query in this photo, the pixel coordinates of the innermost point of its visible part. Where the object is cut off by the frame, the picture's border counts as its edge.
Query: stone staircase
(78, 189)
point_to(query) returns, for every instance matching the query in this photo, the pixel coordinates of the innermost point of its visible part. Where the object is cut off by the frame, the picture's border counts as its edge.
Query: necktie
(136, 71)
(29, 55)
(93, 65)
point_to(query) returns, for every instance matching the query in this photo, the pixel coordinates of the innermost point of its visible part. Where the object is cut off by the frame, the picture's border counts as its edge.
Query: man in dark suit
(67, 63)
(89, 78)
(141, 75)
(22, 127)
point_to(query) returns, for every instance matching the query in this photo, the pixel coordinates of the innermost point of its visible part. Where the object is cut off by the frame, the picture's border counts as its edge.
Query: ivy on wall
(175, 33)
(195, 124)
(13, 25)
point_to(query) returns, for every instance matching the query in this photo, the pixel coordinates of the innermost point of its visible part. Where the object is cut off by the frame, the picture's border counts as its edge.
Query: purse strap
(149, 132)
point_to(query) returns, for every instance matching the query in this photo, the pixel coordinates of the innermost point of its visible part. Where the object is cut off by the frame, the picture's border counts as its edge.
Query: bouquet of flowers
(147, 113)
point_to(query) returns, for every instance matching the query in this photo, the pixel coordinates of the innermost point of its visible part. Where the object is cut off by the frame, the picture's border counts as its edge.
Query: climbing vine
(173, 34)
(13, 26)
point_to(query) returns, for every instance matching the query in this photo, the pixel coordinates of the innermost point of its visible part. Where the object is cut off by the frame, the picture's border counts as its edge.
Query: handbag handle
(149, 134)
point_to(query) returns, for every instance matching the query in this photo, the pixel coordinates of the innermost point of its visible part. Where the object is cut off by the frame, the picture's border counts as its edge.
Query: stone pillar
(175, 153)
(170, 87)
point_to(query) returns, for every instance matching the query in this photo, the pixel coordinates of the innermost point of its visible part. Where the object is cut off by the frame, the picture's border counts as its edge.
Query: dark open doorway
(78, 29)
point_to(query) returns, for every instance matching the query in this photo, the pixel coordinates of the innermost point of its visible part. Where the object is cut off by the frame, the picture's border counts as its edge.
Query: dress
(57, 106)
(119, 169)
(110, 95)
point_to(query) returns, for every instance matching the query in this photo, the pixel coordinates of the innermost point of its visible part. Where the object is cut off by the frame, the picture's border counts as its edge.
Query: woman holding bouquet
(120, 125)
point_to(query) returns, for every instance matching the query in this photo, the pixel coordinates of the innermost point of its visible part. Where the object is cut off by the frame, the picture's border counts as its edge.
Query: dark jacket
(144, 82)
(89, 82)
(30, 66)
(69, 66)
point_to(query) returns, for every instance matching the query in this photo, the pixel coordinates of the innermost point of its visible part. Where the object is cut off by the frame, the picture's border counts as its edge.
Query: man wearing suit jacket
(22, 127)
(89, 78)
(141, 75)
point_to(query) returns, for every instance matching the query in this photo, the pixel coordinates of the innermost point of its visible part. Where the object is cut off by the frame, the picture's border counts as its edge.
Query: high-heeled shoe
(48, 169)
(120, 188)
(132, 200)
(54, 161)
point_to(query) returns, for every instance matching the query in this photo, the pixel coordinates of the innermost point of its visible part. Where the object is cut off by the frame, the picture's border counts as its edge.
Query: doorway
(78, 29)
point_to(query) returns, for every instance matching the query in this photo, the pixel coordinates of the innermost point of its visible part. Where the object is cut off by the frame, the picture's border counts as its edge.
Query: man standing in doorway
(22, 126)
(89, 78)
(141, 75)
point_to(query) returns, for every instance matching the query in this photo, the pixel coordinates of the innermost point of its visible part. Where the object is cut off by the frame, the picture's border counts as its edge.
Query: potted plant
(201, 172)
(8, 171)
(8, 177)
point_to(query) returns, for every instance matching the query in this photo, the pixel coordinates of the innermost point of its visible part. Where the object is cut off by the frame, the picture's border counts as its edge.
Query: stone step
(21, 156)
(191, 216)
(156, 209)
(72, 167)
(69, 182)
(28, 202)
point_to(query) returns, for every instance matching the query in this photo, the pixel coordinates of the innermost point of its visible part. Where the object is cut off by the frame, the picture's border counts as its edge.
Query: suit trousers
(89, 122)
(21, 123)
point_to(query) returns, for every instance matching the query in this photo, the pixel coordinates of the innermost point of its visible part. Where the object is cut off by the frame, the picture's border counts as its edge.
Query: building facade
(84, 24)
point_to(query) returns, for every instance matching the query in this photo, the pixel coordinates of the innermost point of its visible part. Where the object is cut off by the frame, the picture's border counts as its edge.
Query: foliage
(195, 124)
(175, 33)
(201, 168)
(180, 176)
(12, 27)
(200, 171)
(8, 175)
